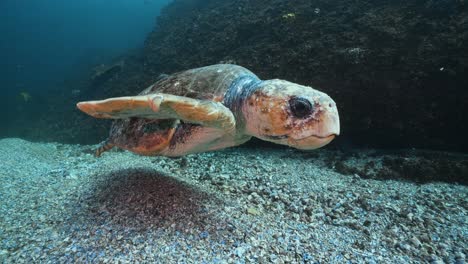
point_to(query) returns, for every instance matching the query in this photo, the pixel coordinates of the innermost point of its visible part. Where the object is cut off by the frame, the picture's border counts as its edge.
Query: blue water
(44, 41)
(396, 70)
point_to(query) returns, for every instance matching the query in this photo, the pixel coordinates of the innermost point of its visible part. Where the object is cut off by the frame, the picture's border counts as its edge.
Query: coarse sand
(60, 204)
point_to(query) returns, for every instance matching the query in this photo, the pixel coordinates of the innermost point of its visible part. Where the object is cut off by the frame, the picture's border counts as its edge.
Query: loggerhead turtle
(216, 107)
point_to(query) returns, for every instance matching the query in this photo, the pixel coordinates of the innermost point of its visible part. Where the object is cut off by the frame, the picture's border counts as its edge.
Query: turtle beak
(330, 121)
(312, 142)
(328, 129)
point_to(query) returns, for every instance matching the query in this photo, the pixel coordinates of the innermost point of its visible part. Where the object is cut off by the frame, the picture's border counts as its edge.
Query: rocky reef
(398, 70)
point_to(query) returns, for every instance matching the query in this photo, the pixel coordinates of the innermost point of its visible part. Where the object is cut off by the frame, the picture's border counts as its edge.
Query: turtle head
(290, 114)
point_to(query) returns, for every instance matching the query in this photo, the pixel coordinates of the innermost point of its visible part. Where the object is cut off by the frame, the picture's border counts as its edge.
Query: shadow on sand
(144, 198)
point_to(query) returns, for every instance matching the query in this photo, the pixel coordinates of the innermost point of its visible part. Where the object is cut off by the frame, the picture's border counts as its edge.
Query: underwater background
(50, 48)
(390, 189)
(398, 69)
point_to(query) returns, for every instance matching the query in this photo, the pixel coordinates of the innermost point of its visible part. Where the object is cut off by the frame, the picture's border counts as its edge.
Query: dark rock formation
(397, 69)
(103, 73)
(411, 165)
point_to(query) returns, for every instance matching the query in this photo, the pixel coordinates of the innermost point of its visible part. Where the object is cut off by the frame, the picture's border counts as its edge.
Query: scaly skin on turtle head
(290, 114)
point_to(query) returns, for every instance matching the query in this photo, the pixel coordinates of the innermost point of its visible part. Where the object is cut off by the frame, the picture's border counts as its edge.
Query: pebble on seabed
(236, 205)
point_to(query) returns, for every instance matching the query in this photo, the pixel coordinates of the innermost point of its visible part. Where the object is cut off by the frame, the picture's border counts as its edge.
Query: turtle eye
(300, 107)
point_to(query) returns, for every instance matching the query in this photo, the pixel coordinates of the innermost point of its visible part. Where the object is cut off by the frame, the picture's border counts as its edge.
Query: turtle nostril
(330, 105)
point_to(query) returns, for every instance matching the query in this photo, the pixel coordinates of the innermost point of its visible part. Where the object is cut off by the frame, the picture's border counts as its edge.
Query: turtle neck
(241, 88)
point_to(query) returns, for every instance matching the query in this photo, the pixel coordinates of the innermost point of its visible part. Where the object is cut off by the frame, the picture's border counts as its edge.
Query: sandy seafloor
(60, 204)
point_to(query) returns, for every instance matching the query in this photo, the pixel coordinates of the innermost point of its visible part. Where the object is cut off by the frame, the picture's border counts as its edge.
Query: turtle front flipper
(163, 106)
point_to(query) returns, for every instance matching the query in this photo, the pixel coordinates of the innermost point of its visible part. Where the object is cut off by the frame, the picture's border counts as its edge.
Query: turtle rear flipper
(163, 106)
(105, 146)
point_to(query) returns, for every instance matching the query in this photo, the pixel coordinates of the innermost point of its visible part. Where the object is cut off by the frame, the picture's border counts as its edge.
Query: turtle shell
(151, 136)
(206, 83)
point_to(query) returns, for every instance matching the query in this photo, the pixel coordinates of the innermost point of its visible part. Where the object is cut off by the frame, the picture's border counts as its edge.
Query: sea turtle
(215, 107)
